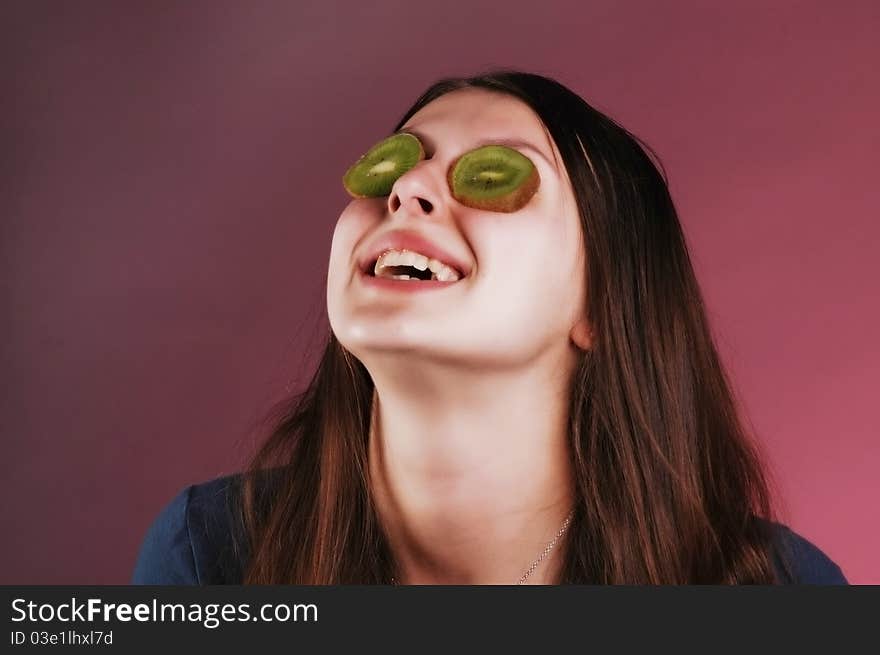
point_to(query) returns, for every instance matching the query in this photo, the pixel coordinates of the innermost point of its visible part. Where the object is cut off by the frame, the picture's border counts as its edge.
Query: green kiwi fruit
(495, 178)
(376, 171)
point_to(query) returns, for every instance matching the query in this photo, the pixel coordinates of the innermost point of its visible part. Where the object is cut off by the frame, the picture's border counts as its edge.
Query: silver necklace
(544, 553)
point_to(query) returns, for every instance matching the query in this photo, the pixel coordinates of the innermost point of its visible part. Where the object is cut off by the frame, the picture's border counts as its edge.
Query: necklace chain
(544, 553)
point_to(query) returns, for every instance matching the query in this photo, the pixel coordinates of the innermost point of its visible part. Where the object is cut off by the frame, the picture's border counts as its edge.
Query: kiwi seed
(494, 178)
(375, 172)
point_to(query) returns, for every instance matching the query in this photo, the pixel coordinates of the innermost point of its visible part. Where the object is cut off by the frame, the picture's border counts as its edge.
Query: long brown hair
(669, 485)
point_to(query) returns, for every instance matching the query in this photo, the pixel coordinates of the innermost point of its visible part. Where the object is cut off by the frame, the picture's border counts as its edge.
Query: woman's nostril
(394, 203)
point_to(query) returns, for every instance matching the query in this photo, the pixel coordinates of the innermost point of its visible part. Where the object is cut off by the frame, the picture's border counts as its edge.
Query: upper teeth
(389, 258)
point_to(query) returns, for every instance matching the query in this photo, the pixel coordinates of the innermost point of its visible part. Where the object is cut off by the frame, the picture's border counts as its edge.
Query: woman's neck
(471, 480)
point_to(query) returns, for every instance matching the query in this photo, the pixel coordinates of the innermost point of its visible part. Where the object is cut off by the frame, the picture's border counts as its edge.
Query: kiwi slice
(376, 171)
(495, 178)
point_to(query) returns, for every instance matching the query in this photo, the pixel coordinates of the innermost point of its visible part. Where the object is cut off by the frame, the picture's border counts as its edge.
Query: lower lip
(404, 285)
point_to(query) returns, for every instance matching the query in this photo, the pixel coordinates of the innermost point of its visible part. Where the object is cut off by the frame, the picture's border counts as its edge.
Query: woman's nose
(414, 192)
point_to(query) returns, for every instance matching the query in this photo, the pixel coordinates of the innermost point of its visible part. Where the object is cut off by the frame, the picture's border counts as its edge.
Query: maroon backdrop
(171, 177)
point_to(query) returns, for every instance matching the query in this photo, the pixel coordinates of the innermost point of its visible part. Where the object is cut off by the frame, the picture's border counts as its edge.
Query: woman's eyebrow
(511, 143)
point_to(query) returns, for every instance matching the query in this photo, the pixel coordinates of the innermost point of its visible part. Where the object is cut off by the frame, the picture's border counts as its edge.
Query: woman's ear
(582, 335)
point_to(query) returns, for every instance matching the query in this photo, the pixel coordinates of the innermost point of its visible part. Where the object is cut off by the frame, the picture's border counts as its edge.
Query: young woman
(520, 384)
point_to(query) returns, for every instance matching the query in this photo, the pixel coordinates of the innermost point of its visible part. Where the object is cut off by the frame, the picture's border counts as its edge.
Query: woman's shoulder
(799, 561)
(196, 539)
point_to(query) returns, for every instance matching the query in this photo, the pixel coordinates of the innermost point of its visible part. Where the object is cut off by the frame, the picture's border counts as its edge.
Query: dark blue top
(192, 542)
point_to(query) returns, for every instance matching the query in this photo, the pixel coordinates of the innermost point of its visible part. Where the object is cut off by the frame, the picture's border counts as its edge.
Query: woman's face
(524, 292)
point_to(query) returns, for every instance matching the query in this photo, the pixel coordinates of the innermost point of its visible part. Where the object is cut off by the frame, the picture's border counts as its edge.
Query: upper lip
(409, 240)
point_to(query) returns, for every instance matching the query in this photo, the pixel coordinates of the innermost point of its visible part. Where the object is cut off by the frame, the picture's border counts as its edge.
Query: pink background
(171, 177)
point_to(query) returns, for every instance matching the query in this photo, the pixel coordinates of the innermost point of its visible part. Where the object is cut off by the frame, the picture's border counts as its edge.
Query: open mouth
(405, 273)
(411, 266)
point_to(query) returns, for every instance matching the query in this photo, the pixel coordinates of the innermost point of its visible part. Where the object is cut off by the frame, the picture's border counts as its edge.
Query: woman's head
(524, 292)
(593, 268)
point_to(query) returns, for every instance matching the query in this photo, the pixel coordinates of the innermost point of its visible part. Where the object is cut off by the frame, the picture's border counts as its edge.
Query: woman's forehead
(468, 117)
